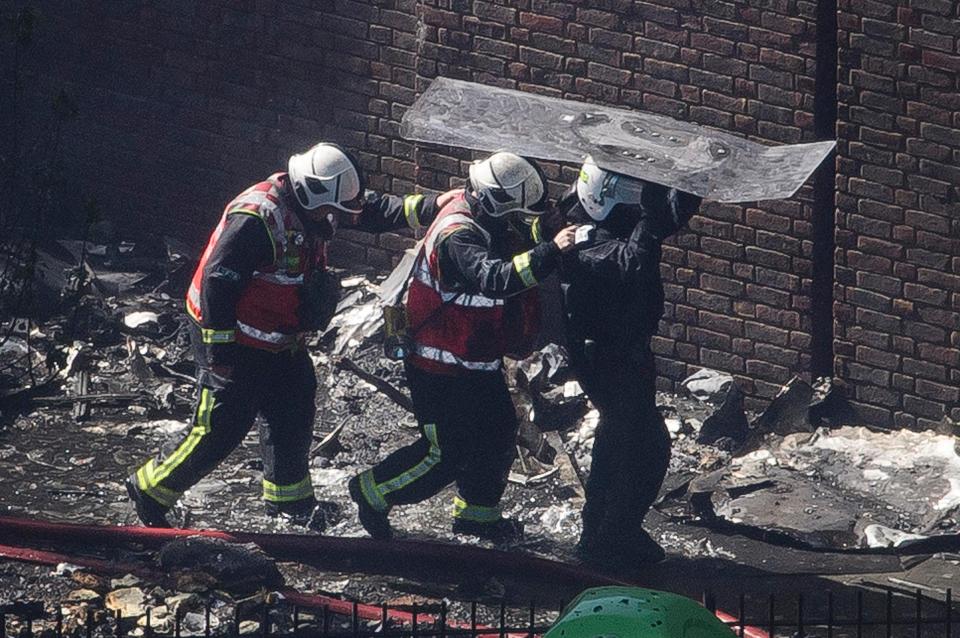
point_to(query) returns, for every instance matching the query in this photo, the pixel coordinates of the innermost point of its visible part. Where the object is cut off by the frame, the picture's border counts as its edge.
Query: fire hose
(326, 552)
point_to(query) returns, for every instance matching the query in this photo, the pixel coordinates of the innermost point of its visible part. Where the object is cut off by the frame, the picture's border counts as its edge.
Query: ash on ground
(88, 394)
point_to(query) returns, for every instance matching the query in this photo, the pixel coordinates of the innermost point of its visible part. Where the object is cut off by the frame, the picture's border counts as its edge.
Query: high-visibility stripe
(147, 484)
(536, 232)
(279, 278)
(479, 513)
(411, 210)
(444, 356)
(209, 335)
(417, 471)
(422, 274)
(370, 492)
(521, 263)
(200, 427)
(278, 338)
(298, 491)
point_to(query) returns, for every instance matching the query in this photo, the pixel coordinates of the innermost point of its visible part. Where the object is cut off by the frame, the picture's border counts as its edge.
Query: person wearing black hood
(613, 301)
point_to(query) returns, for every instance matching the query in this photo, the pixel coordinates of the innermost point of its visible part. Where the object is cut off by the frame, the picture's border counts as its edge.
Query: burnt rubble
(89, 390)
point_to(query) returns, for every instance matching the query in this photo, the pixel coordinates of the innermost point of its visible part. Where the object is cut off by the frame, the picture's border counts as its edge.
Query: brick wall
(898, 229)
(183, 104)
(738, 283)
(180, 104)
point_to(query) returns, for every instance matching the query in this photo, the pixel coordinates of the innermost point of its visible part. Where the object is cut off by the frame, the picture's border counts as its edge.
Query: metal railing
(831, 616)
(888, 615)
(280, 620)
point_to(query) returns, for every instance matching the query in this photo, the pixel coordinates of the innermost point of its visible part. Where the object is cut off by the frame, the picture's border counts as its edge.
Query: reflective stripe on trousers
(376, 493)
(150, 475)
(478, 513)
(286, 493)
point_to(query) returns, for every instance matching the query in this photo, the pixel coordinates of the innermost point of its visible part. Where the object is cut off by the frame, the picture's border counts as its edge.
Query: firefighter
(468, 304)
(613, 302)
(260, 287)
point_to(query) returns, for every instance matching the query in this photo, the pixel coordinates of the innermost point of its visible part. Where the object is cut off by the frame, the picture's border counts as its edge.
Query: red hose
(357, 554)
(748, 630)
(328, 552)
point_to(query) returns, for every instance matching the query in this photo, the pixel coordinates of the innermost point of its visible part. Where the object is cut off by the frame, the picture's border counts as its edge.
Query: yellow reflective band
(417, 471)
(535, 231)
(411, 206)
(521, 263)
(200, 427)
(286, 493)
(583, 176)
(478, 513)
(370, 492)
(217, 336)
(147, 485)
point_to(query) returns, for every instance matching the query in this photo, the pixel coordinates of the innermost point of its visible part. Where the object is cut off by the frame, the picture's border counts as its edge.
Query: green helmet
(632, 612)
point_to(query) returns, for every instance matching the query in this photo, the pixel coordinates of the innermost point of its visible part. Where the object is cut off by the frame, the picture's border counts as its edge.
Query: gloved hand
(221, 360)
(666, 210)
(319, 297)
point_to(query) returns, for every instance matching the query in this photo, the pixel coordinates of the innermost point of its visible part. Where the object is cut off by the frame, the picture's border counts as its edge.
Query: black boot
(150, 512)
(502, 530)
(622, 554)
(305, 513)
(376, 523)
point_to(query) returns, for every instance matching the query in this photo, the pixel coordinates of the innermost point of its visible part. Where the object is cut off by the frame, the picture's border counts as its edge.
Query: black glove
(666, 210)
(221, 354)
(319, 297)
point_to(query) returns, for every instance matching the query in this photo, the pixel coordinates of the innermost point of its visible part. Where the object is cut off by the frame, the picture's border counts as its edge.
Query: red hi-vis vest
(267, 313)
(453, 332)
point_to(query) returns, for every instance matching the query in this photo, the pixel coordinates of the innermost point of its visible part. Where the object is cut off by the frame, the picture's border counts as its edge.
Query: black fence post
(800, 632)
(265, 620)
(473, 619)
(829, 614)
(89, 622)
(326, 620)
(889, 614)
(59, 627)
(742, 612)
(443, 619)
(919, 598)
(773, 616)
(503, 619)
(206, 620)
(859, 613)
(949, 601)
(533, 618)
(118, 628)
(416, 621)
(355, 620)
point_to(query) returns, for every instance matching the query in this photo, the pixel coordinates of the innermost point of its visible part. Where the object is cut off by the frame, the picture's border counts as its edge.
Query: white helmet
(326, 174)
(506, 182)
(600, 190)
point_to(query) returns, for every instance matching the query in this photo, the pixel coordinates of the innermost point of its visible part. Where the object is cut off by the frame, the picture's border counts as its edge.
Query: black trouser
(468, 431)
(631, 450)
(281, 387)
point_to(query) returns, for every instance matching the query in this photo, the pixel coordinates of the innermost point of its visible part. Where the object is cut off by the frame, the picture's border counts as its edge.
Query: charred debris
(95, 371)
